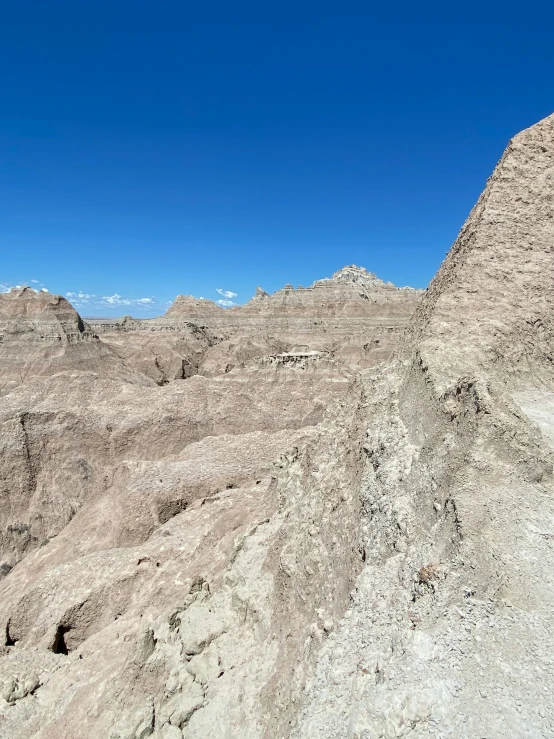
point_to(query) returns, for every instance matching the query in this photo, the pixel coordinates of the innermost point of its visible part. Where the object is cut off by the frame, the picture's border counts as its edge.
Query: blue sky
(155, 148)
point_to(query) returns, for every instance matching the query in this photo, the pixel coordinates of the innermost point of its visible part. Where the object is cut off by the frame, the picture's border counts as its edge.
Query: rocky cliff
(355, 316)
(42, 334)
(449, 629)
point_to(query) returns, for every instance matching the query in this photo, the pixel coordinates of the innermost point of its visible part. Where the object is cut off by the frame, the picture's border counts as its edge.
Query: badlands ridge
(326, 513)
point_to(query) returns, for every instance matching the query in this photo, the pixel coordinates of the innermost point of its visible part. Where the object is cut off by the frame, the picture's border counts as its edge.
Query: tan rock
(42, 334)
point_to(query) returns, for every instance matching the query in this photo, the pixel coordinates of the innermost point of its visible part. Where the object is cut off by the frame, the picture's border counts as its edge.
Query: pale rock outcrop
(195, 310)
(260, 294)
(63, 438)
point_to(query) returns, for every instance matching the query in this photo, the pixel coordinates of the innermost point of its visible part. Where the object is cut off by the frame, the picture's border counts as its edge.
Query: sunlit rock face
(42, 334)
(355, 316)
(130, 485)
(352, 292)
(455, 599)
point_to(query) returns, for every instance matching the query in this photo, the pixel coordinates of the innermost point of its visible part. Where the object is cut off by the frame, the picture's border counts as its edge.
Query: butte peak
(352, 274)
(347, 284)
(260, 294)
(23, 304)
(41, 334)
(24, 294)
(354, 315)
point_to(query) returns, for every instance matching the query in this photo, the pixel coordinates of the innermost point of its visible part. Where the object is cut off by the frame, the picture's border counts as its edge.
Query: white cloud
(117, 299)
(226, 294)
(102, 302)
(225, 303)
(6, 288)
(91, 302)
(80, 298)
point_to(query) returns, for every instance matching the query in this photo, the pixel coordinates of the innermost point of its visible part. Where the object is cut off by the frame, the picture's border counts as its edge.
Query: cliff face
(455, 602)
(109, 488)
(195, 310)
(355, 316)
(351, 293)
(35, 318)
(491, 303)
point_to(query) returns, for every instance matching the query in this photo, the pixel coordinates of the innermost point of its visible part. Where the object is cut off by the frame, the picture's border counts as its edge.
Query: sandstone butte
(326, 513)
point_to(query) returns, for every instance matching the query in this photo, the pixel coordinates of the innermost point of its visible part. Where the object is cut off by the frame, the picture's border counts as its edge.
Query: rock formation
(449, 630)
(42, 334)
(353, 315)
(298, 546)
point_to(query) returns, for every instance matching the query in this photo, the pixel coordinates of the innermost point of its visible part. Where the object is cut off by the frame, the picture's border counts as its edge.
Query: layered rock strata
(352, 304)
(355, 316)
(42, 334)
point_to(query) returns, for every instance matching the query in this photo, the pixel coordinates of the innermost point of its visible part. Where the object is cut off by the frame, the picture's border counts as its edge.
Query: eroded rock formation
(449, 630)
(353, 315)
(298, 546)
(42, 334)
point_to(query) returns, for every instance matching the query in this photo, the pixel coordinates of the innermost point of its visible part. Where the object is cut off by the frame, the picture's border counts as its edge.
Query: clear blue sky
(155, 148)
